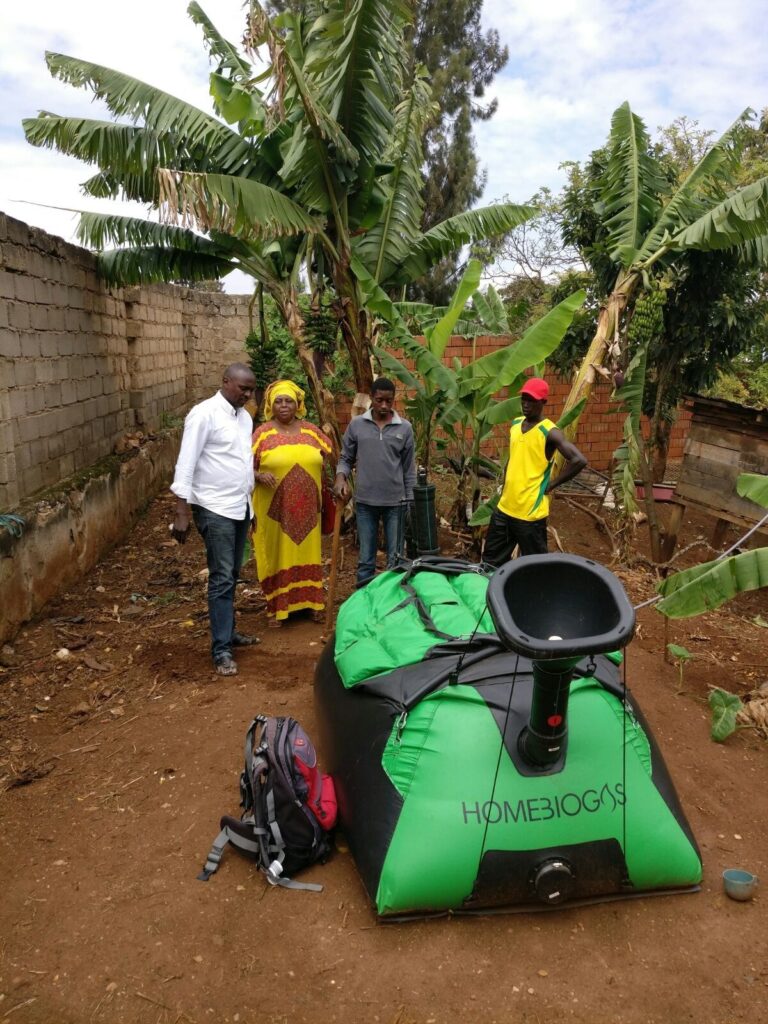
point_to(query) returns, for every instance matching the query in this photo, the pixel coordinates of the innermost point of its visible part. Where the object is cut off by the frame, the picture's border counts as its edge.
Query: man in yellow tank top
(521, 516)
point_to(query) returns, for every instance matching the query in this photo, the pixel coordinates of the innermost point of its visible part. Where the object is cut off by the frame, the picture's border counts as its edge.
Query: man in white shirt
(213, 484)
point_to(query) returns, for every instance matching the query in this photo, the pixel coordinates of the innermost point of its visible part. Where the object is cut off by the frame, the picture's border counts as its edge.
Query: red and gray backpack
(289, 807)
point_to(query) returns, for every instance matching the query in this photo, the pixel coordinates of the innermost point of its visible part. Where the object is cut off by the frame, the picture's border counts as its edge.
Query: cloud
(155, 42)
(572, 62)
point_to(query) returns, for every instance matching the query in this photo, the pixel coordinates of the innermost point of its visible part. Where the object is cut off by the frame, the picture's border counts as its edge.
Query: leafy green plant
(705, 587)
(169, 420)
(461, 399)
(647, 223)
(725, 707)
(681, 657)
(272, 356)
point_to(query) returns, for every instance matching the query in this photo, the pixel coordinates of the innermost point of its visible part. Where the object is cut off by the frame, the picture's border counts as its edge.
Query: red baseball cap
(536, 388)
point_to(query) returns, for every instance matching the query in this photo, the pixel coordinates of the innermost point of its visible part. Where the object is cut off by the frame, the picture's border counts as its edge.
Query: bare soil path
(117, 760)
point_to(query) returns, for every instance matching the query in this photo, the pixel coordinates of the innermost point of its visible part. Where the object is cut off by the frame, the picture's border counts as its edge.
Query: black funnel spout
(556, 610)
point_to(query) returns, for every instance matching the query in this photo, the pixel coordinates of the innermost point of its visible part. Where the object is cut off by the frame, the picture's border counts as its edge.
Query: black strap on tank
(444, 566)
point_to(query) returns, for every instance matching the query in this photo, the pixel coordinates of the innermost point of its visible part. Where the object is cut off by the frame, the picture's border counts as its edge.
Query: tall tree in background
(714, 299)
(648, 225)
(461, 61)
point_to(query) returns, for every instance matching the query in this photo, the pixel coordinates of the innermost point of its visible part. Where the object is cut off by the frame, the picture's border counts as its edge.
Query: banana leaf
(482, 514)
(439, 335)
(705, 587)
(499, 369)
(573, 414)
(753, 486)
(490, 309)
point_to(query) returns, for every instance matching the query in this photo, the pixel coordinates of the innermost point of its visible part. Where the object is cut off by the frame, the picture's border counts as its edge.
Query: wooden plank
(715, 407)
(720, 505)
(699, 506)
(720, 531)
(756, 430)
(715, 434)
(718, 478)
(669, 536)
(745, 461)
(718, 482)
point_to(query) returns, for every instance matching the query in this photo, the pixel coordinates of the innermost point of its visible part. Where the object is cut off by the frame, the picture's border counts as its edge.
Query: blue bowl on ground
(739, 885)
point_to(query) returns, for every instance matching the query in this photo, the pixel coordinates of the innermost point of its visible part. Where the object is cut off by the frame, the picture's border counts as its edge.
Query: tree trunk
(354, 331)
(651, 510)
(663, 434)
(356, 327)
(607, 321)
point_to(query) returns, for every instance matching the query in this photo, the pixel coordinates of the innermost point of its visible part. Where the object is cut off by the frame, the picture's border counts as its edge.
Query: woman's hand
(265, 479)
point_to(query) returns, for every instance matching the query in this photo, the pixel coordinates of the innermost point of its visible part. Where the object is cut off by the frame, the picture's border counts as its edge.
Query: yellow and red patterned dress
(287, 535)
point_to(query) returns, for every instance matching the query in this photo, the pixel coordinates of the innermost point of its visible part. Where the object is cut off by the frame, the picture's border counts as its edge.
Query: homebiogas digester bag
(484, 749)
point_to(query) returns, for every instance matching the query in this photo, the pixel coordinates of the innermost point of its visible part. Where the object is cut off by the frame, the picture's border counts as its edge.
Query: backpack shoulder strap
(242, 834)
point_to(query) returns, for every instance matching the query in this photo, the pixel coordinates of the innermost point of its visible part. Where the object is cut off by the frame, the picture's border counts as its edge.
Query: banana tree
(647, 228)
(305, 168)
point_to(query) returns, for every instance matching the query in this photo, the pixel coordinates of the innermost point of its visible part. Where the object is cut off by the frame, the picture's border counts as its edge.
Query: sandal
(274, 623)
(225, 665)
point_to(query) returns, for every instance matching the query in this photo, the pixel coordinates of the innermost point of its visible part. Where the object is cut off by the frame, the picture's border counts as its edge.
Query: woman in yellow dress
(288, 454)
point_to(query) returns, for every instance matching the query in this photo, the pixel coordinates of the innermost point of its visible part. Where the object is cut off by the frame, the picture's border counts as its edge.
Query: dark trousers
(504, 533)
(368, 517)
(224, 541)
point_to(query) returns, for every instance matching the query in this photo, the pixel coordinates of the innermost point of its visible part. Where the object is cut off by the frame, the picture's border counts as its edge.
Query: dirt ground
(117, 761)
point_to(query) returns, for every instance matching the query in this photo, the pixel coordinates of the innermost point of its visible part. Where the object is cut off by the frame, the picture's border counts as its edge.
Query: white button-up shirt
(215, 464)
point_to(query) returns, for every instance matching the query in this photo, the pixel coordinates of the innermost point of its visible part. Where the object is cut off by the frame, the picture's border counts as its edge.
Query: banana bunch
(647, 321)
(262, 358)
(321, 331)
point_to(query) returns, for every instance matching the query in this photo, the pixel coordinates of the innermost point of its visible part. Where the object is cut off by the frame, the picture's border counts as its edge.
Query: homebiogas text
(544, 808)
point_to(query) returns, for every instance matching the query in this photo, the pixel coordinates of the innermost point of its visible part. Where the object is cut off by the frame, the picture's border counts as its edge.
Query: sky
(571, 63)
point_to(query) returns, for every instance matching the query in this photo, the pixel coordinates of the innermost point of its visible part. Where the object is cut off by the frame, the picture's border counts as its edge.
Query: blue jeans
(368, 533)
(224, 541)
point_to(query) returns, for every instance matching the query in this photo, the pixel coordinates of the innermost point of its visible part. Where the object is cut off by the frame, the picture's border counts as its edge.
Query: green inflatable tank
(485, 750)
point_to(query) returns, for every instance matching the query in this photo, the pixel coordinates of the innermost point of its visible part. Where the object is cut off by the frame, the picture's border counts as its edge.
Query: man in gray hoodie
(379, 446)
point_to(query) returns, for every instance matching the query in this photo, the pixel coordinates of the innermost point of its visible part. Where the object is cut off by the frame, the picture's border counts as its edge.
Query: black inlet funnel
(555, 610)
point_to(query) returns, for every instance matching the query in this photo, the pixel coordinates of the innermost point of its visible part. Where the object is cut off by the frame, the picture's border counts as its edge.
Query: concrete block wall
(215, 329)
(155, 349)
(82, 364)
(63, 369)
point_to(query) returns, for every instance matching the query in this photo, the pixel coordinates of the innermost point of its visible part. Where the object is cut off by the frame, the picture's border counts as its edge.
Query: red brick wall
(600, 427)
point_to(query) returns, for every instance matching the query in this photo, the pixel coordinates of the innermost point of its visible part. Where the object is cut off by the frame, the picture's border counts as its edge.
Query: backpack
(289, 807)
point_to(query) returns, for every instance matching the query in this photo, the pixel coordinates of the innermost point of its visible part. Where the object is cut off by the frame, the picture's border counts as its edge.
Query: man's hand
(180, 527)
(181, 521)
(341, 488)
